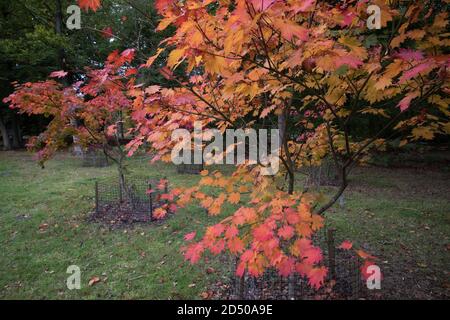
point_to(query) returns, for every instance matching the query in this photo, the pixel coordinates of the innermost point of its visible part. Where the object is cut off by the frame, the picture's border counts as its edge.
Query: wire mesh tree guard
(343, 279)
(116, 204)
(93, 157)
(325, 174)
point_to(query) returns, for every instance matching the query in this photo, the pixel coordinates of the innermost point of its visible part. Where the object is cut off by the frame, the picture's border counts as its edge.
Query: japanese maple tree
(311, 69)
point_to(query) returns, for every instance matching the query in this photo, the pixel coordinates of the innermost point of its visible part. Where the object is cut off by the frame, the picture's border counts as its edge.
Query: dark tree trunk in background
(58, 17)
(16, 135)
(58, 31)
(4, 132)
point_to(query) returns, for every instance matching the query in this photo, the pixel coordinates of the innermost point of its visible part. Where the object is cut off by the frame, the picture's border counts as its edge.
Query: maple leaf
(107, 33)
(345, 245)
(422, 132)
(162, 5)
(286, 266)
(355, 46)
(190, 236)
(286, 232)
(289, 29)
(235, 245)
(316, 276)
(159, 213)
(312, 255)
(128, 55)
(153, 58)
(351, 61)
(409, 55)
(303, 269)
(89, 4)
(303, 6)
(240, 270)
(234, 198)
(58, 74)
(193, 252)
(166, 73)
(215, 208)
(317, 222)
(217, 229)
(175, 58)
(364, 255)
(231, 232)
(93, 281)
(262, 5)
(262, 233)
(406, 101)
(292, 216)
(304, 229)
(421, 68)
(218, 247)
(300, 246)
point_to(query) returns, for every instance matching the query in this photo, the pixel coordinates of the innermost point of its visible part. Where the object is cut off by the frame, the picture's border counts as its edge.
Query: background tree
(92, 110)
(34, 42)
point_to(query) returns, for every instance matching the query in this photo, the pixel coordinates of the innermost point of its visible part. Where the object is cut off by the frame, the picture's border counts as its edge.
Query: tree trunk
(4, 132)
(282, 124)
(58, 31)
(16, 137)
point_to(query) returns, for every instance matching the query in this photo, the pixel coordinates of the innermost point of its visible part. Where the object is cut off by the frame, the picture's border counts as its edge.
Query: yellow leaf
(153, 58)
(423, 132)
(354, 45)
(174, 57)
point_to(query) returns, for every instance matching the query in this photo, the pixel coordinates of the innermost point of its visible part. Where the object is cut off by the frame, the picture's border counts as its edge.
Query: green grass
(401, 217)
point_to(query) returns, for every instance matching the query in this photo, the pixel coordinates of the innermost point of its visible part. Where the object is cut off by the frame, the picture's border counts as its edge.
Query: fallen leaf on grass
(206, 295)
(422, 265)
(43, 226)
(93, 281)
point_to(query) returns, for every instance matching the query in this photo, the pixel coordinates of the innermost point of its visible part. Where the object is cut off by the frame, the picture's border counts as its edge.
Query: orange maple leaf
(159, 213)
(234, 198)
(235, 245)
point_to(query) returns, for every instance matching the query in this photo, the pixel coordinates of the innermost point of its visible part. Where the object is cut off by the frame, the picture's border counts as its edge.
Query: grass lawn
(399, 215)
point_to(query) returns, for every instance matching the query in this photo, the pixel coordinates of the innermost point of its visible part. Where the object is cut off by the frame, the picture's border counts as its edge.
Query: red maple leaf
(317, 276)
(190, 236)
(193, 252)
(89, 4)
(286, 266)
(231, 232)
(262, 233)
(235, 245)
(345, 245)
(286, 232)
(312, 255)
(107, 33)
